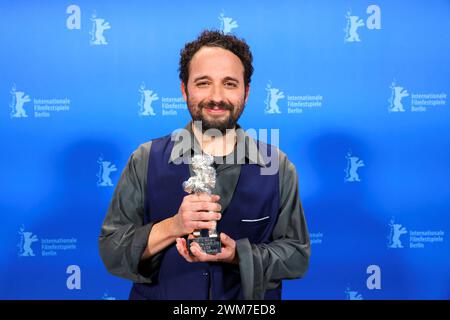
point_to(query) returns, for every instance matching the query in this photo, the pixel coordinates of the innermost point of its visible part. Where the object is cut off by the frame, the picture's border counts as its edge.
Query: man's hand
(197, 211)
(228, 253)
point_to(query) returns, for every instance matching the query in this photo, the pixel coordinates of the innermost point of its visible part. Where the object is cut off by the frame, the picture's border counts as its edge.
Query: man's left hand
(228, 253)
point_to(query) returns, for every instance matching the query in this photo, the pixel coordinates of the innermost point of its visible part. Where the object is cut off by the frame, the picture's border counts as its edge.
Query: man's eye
(202, 84)
(230, 84)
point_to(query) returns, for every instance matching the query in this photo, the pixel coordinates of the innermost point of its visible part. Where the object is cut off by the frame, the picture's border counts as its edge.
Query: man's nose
(216, 93)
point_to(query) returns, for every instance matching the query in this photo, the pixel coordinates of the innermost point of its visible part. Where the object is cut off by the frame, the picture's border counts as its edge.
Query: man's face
(215, 93)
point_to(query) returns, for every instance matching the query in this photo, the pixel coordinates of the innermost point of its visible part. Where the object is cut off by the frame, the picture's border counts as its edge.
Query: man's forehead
(215, 59)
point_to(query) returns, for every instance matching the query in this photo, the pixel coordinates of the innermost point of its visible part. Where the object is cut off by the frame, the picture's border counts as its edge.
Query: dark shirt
(262, 266)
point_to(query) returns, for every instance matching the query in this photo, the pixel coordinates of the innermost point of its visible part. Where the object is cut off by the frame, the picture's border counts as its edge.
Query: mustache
(212, 104)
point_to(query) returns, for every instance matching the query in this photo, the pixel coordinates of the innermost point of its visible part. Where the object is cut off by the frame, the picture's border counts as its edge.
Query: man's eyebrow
(231, 78)
(202, 78)
(209, 78)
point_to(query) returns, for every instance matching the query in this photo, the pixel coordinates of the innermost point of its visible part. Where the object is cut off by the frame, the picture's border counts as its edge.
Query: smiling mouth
(215, 110)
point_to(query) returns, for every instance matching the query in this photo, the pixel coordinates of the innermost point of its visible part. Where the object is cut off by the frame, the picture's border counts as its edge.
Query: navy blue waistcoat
(256, 196)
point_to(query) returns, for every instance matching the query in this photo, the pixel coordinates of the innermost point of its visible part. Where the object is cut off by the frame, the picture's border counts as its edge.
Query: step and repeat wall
(356, 89)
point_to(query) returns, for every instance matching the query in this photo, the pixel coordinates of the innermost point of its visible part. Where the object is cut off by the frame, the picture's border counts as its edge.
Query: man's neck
(220, 145)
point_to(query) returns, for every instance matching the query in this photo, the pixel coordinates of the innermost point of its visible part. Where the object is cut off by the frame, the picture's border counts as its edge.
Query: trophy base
(209, 245)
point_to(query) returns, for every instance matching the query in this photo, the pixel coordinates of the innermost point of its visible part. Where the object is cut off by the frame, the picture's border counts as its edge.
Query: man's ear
(247, 92)
(183, 91)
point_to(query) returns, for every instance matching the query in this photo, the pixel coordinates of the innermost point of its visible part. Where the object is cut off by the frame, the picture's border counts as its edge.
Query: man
(259, 216)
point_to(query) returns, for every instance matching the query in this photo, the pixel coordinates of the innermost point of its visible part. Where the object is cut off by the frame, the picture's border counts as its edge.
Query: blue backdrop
(357, 89)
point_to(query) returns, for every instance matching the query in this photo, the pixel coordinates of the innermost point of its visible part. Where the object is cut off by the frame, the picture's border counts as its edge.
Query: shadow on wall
(87, 173)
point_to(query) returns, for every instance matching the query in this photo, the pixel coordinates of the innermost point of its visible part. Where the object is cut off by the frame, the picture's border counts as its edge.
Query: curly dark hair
(212, 38)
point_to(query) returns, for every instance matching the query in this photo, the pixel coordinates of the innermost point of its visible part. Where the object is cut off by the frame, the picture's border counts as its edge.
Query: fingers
(228, 248)
(200, 255)
(198, 225)
(189, 221)
(226, 240)
(191, 215)
(204, 206)
(206, 216)
(182, 249)
(198, 197)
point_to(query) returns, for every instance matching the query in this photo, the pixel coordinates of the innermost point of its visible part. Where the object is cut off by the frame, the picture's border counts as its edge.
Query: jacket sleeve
(123, 237)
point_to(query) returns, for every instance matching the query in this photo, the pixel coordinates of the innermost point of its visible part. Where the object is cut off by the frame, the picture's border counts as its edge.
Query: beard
(221, 123)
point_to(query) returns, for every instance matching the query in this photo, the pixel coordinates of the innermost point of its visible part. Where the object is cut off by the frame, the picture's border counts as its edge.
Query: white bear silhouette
(398, 230)
(399, 94)
(273, 96)
(227, 24)
(106, 169)
(353, 164)
(100, 26)
(20, 99)
(28, 239)
(355, 23)
(146, 105)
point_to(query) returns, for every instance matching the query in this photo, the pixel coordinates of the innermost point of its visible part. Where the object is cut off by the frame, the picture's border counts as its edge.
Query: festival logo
(147, 98)
(352, 294)
(395, 232)
(397, 94)
(354, 23)
(401, 100)
(272, 98)
(26, 241)
(295, 104)
(418, 239)
(353, 164)
(19, 98)
(104, 171)
(99, 25)
(227, 24)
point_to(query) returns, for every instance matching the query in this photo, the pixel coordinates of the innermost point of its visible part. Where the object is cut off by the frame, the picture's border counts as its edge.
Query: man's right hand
(195, 213)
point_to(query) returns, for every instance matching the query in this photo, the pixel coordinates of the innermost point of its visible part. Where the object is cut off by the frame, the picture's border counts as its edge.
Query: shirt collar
(186, 144)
